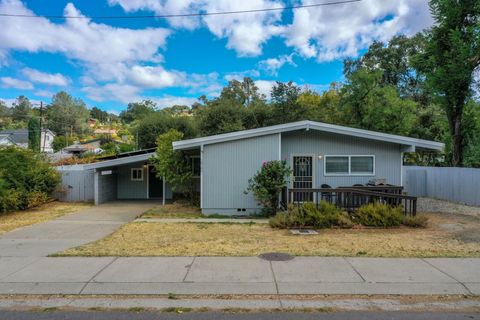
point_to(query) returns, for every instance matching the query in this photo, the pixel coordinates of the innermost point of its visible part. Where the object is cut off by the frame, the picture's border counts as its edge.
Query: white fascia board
(371, 135)
(119, 161)
(244, 134)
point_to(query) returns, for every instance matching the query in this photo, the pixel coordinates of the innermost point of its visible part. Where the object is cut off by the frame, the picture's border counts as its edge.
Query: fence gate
(302, 177)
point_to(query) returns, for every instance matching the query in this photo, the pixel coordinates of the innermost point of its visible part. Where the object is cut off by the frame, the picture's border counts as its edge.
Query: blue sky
(109, 63)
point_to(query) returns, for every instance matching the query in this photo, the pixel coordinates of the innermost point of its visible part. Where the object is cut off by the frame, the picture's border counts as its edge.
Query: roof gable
(309, 125)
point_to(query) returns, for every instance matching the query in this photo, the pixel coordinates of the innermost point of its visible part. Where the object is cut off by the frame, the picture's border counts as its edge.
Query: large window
(350, 165)
(137, 174)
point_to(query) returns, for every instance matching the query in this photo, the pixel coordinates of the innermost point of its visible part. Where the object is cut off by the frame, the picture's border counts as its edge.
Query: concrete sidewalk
(238, 275)
(71, 230)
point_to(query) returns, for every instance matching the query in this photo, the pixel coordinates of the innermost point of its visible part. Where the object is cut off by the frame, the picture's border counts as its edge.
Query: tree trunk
(457, 140)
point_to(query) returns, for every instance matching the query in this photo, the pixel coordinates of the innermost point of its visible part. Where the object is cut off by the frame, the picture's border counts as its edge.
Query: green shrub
(418, 221)
(268, 182)
(378, 215)
(308, 215)
(26, 179)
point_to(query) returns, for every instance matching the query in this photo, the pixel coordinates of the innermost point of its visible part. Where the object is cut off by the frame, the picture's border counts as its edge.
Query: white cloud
(168, 101)
(9, 102)
(242, 74)
(79, 39)
(44, 93)
(54, 79)
(265, 86)
(8, 82)
(155, 77)
(336, 32)
(245, 33)
(272, 65)
(113, 92)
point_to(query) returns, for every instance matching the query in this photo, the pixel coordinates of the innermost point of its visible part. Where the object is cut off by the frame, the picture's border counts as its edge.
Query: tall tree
(138, 111)
(285, 103)
(67, 114)
(99, 114)
(451, 57)
(34, 134)
(21, 109)
(158, 123)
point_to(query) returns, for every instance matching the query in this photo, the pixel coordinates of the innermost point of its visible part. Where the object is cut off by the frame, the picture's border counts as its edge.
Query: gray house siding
(106, 186)
(128, 189)
(76, 186)
(80, 184)
(316, 143)
(226, 168)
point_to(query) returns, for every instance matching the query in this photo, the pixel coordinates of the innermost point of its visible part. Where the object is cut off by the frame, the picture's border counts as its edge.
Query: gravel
(442, 206)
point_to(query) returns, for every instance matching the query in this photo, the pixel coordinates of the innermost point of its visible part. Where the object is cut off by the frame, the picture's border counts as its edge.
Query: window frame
(349, 174)
(132, 170)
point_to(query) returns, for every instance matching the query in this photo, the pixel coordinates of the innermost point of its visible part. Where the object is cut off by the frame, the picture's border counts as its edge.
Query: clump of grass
(136, 309)
(177, 310)
(172, 296)
(418, 221)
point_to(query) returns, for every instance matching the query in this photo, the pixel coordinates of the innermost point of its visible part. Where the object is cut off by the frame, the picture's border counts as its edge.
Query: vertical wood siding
(226, 169)
(107, 186)
(128, 189)
(76, 186)
(316, 143)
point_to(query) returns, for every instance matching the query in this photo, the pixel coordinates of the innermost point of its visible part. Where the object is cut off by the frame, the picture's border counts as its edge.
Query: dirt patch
(442, 206)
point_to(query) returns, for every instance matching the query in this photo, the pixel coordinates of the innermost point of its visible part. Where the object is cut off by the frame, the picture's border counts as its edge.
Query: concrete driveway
(71, 230)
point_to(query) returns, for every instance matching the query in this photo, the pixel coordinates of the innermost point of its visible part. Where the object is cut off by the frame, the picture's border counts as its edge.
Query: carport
(125, 177)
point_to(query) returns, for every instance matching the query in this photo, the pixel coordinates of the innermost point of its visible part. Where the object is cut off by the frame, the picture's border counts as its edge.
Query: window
(361, 164)
(350, 165)
(137, 174)
(336, 165)
(195, 166)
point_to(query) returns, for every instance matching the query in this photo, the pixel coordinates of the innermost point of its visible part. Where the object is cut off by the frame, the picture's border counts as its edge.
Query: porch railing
(351, 198)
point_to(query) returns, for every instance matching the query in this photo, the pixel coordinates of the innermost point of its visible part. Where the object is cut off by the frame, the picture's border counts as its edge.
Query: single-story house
(318, 153)
(19, 138)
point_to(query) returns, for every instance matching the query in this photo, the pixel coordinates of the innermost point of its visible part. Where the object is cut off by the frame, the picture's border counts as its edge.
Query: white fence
(460, 185)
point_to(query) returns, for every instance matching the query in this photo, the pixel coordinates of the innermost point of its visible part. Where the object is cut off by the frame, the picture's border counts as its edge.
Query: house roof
(5, 140)
(307, 125)
(21, 135)
(119, 161)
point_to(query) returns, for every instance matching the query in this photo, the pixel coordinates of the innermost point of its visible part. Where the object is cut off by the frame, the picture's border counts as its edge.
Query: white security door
(303, 177)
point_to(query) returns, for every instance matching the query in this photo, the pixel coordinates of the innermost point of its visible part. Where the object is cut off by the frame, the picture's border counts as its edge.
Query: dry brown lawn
(48, 211)
(174, 210)
(442, 238)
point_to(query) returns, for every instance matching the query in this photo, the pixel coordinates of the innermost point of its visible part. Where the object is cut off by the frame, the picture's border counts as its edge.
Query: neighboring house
(6, 140)
(318, 153)
(105, 131)
(19, 138)
(81, 147)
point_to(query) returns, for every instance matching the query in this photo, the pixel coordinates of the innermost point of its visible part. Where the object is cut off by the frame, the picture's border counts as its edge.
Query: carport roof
(119, 161)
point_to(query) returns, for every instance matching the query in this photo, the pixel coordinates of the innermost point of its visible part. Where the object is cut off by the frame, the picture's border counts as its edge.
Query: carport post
(95, 186)
(163, 191)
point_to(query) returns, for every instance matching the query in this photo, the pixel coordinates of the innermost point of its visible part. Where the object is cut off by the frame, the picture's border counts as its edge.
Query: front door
(303, 177)
(155, 185)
